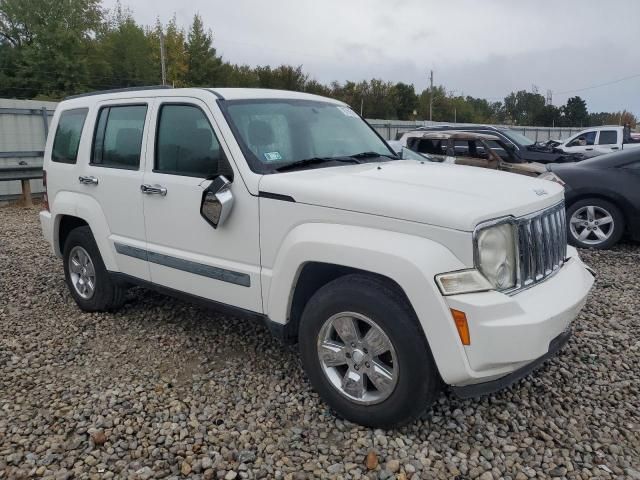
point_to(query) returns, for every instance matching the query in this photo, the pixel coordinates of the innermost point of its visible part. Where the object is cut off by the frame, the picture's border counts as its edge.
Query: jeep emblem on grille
(540, 191)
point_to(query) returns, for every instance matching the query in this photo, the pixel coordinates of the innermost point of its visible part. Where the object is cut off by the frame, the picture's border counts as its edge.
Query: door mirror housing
(217, 201)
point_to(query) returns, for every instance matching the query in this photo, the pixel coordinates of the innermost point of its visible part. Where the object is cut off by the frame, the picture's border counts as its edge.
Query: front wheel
(594, 223)
(365, 353)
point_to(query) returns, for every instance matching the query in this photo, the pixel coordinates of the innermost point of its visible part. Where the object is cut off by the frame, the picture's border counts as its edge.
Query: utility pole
(361, 105)
(162, 60)
(431, 95)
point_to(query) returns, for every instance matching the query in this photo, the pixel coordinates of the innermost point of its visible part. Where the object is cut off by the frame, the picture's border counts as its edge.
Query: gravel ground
(165, 389)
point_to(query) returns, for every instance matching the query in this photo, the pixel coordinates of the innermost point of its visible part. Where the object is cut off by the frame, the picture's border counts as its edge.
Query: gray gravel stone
(176, 388)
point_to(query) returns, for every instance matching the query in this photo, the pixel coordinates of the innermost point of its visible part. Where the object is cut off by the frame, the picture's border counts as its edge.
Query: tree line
(50, 49)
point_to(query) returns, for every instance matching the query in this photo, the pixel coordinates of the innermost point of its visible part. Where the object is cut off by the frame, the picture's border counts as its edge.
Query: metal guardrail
(24, 173)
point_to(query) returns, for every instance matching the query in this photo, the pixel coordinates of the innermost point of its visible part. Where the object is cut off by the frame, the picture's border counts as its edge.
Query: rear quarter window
(68, 135)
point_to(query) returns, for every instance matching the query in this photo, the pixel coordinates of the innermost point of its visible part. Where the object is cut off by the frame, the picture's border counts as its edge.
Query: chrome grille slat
(542, 243)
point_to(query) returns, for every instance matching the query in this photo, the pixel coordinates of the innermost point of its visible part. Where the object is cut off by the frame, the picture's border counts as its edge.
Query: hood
(450, 196)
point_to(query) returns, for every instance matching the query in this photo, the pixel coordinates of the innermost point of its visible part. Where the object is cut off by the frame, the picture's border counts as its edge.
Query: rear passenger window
(118, 136)
(186, 144)
(68, 134)
(608, 137)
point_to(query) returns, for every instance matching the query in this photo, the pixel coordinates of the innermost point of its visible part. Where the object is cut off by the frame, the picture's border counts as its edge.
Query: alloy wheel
(358, 358)
(82, 272)
(591, 225)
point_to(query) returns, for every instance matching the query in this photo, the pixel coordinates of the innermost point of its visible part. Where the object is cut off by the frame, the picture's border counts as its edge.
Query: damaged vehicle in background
(525, 148)
(471, 149)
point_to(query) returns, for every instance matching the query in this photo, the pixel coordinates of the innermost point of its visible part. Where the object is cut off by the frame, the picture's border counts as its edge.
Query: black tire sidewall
(618, 220)
(418, 381)
(104, 288)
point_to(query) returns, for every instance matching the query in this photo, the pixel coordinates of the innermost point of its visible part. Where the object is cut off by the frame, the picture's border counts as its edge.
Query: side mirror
(217, 201)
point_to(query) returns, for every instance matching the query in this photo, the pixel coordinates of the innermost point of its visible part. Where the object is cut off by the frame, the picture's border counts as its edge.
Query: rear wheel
(594, 223)
(86, 276)
(365, 353)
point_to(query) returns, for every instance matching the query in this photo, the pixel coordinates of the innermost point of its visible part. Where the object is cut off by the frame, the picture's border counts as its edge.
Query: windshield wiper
(372, 154)
(314, 160)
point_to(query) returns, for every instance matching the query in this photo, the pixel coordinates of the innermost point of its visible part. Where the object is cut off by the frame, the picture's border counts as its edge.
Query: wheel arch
(322, 252)
(314, 275)
(71, 210)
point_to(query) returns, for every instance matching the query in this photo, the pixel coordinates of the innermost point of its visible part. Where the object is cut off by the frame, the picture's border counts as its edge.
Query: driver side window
(585, 139)
(186, 144)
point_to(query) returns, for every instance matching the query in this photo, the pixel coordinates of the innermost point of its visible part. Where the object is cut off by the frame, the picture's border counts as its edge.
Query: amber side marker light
(460, 320)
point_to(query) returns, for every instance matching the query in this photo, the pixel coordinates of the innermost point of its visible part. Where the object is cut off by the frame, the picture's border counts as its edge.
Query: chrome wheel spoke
(362, 368)
(74, 265)
(591, 213)
(82, 272)
(575, 220)
(600, 234)
(353, 384)
(584, 234)
(346, 329)
(332, 354)
(381, 376)
(376, 342)
(605, 220)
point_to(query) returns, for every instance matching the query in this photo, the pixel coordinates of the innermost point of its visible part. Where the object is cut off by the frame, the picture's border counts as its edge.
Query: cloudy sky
(481, 48)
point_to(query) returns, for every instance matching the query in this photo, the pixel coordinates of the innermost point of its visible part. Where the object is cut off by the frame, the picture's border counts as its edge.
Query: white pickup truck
(598, 140)
(393, 276)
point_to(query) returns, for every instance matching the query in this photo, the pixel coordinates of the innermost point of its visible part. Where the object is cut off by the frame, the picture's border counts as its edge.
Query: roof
(221, 93)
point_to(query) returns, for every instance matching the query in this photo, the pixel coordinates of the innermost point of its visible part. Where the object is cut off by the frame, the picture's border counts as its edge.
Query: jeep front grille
(542, 245)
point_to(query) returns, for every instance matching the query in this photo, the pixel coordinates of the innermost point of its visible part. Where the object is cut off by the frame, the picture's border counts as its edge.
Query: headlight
(552, 177)
(495, 254)
(462, 281)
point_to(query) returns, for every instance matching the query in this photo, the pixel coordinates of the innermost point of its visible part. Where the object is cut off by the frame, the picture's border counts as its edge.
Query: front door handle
(88, 180)
(153, 189)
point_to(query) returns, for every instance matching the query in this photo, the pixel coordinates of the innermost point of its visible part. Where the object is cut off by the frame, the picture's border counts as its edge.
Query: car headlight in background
(495, 254)
(552, 177)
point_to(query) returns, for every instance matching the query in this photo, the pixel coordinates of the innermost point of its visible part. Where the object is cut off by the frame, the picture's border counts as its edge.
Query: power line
(599, 85)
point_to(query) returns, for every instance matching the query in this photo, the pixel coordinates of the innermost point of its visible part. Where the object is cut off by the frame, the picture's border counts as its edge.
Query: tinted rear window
(68, 134)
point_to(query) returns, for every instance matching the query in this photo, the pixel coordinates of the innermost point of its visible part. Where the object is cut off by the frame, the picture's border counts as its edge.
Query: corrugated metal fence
(24, 125)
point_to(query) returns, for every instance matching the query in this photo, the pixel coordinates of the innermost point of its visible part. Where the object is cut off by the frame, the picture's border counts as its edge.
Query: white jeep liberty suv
(392, 275)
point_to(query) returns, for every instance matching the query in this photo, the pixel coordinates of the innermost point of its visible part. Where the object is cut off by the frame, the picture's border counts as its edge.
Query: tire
(366, 299)
(106, 294)
(584, 218)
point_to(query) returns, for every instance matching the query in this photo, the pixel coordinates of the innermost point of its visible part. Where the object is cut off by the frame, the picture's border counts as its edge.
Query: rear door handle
(588, 149)
(88, 180)
(153, 189)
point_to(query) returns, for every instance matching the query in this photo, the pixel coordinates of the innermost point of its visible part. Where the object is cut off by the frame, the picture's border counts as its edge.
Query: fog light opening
(460, 320)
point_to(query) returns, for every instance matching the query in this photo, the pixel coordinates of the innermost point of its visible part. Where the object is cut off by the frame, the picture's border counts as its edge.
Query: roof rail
(118, 90)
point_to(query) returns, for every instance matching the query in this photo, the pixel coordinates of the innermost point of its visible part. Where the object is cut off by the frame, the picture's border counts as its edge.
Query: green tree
(203, 63)
(54, 40)
(406, 100)
(575, 113)
(125, 53)
(524, 108)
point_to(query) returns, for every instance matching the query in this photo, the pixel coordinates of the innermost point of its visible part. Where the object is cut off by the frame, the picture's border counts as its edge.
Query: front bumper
(511, 334)
(485, 388)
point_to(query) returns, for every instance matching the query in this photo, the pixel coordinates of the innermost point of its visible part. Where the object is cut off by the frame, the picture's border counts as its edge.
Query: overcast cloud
(480, 48)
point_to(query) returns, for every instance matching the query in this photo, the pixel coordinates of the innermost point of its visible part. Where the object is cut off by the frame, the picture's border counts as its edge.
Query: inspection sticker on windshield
(272, 156)
(348, 112)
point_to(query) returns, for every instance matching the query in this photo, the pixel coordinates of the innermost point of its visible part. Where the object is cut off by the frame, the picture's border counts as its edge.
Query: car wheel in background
(594, 223)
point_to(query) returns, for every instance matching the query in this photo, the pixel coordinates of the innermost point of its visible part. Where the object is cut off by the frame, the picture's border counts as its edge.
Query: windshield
(277, 132)
(518, 138)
